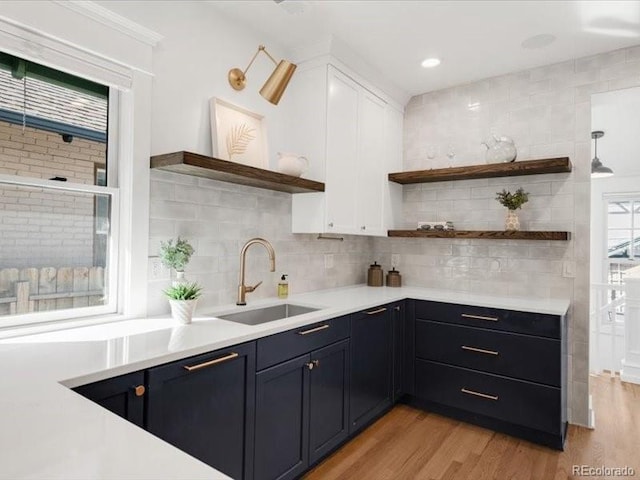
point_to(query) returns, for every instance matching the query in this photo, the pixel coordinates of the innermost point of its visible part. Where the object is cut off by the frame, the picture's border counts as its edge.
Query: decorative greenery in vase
(513, 201)
(176, 255)
(184, 291)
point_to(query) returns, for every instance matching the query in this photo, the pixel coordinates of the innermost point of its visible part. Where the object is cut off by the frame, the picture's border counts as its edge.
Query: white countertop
(48, 431)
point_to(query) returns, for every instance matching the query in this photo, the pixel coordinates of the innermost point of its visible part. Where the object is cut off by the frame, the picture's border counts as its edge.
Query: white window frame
(632, 260)
(130, 89)
(111, 306)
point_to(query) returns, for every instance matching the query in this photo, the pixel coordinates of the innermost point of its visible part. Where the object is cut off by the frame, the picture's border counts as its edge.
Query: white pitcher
(292, 164)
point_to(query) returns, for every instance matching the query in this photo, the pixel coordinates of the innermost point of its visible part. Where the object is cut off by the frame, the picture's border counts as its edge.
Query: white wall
(190, 66)
(63, 22)
(547, 111)
(617, 113)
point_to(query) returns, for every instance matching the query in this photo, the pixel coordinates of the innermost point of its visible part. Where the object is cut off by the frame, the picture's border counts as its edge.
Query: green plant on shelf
(512, 201)
(184, 291)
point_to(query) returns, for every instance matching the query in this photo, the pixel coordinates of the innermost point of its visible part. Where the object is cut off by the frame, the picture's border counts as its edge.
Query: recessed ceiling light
(430, 62)
(538, 41)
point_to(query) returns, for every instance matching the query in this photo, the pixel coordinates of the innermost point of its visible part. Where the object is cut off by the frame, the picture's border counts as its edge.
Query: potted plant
(183, 298)
(512, 201)
(176, 256)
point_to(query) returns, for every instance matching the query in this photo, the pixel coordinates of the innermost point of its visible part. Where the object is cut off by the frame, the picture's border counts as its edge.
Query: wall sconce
(598, 170)
(275, 85)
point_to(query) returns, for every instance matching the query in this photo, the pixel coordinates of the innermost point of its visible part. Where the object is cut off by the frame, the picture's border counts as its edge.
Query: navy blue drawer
(515, 401)
(538, 324)
(521, 356)
(293, 343)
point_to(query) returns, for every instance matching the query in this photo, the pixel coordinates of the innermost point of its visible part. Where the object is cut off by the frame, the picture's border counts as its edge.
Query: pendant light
(598, 170)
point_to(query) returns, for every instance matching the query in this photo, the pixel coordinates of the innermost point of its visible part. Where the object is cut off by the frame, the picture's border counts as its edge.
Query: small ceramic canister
(375, 275)
(394, 279)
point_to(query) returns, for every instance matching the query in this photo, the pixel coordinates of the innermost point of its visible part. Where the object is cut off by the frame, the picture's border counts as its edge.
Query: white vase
(512, 222)
(179, 278)
(182, 310)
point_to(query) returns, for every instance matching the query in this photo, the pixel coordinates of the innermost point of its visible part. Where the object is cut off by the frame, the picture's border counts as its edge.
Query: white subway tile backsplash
(621, 70)
(601, 61)
(218, 218)
(171, 210)
(162, 190)
(198, 196)
(624, 82)
(161, 227)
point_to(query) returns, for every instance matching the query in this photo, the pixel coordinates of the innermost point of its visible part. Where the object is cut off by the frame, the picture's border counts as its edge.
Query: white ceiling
(474, 39)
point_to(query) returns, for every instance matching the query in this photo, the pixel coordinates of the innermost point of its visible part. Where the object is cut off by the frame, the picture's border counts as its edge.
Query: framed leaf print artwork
(238, 135)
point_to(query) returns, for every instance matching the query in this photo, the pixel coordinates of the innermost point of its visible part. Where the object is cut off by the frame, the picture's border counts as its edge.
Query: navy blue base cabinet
(273, 408)
(122, 395)
(371, 366)
(398, 321)
(501, 369)
(204, 405)
(328, 400)
(301, 411)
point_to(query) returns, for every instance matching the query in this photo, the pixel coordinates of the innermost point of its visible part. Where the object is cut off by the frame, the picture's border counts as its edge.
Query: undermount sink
(267, 314)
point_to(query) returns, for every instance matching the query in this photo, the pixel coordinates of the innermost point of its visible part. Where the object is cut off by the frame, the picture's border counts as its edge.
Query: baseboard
(536, 436)
(592, 414)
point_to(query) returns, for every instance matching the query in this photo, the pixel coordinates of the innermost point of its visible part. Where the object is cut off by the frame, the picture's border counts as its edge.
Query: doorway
(615, 223)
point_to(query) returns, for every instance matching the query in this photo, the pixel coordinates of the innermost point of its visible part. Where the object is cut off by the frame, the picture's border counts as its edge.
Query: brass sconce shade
(275, 85)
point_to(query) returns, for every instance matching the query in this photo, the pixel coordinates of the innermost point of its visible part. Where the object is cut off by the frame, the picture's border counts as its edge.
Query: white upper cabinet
(343, 150)
(353, 139)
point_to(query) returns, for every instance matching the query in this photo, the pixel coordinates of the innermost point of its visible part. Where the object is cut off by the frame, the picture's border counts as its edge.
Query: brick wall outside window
(42, 228)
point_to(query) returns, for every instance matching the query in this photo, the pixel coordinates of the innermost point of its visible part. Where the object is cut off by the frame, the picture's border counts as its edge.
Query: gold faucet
(242, 288)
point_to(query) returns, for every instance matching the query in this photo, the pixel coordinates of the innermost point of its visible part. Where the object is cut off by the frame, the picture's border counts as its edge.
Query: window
(58, 215)
(623, 236)
(623, 242)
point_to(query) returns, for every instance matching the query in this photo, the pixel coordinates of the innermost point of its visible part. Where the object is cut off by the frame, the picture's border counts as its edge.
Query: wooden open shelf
(488, 234)
(492, 170)
(202, 166)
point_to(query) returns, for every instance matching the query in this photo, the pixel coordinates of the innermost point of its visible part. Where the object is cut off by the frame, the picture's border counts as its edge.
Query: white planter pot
(182, 310)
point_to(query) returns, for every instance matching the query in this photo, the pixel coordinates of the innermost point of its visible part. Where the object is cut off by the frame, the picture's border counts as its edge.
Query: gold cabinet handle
(378, 310)
(480, 317)
(215, 361)
(314, 330)
(479, 350)
(313, 364)
(478, 394)
(139, 390)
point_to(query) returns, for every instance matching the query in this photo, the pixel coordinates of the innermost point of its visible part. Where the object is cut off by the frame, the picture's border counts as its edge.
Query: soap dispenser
(283, 287)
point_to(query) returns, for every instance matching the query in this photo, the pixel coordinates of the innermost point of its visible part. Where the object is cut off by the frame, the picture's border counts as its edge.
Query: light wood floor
(411, 444)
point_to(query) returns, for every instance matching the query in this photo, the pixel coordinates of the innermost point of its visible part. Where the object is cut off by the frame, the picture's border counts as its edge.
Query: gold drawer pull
(480, 317)
(478, 394)
(191, 368)
(479, 350)
(139, 390)
(314, 330)
(378, 310)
